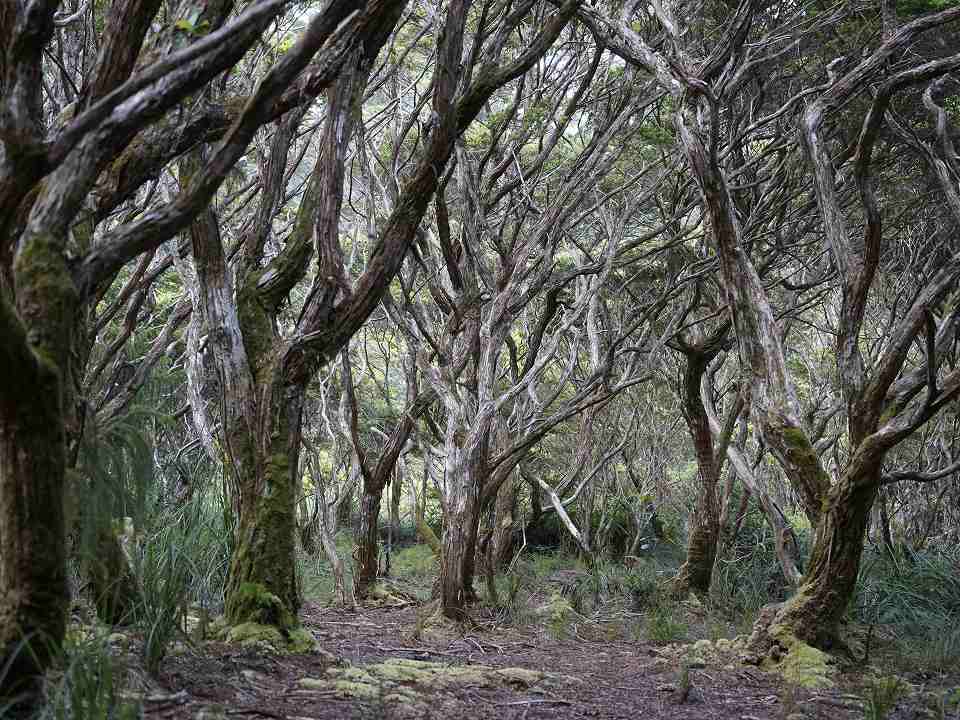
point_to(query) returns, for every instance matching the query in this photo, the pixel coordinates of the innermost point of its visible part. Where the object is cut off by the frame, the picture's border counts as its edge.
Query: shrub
(664, 626)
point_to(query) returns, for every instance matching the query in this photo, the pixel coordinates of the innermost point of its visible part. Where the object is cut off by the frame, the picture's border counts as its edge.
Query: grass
(915, 599)
(664, 626)
(882, 697)
(87, 683)
(413, 568)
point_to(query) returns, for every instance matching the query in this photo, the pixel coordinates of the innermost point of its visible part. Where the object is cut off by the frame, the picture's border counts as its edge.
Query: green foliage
(942, 705)
(881, 697)
(316, 574)
(664, 625)
(87, 684)
(178, 556)
(198, 30)
(416, 562)
(749, 577)
(919, 7)
(116, 476)
(558, 615)
(183, 562)
(917, 598)
(642, 587)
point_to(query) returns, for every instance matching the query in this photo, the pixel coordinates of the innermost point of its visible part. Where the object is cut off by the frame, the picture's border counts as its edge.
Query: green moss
(46, 298)
(253, 603)
(802, 665)
(257, 330)
(798, 445)
(520, 677)
(359, 690)
(297, 641)
(264, 586)
(251, 633)
(300, 640)
(405, 679)
(309, 683)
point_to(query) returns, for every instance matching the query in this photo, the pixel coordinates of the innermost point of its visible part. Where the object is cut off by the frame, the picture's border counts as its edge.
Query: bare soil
(590, 672)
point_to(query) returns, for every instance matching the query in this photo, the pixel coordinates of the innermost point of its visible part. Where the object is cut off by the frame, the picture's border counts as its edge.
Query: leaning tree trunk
(813, 614)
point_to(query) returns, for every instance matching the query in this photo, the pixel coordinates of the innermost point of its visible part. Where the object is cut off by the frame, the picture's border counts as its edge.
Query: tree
(51, 270)
(882, 409)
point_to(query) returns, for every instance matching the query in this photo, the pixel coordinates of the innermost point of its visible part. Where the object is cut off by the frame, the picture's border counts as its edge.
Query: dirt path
(376, 669)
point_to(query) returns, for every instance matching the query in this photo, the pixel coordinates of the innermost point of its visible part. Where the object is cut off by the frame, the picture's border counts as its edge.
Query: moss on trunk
(35, 358)
(263, 586)
(814, 613)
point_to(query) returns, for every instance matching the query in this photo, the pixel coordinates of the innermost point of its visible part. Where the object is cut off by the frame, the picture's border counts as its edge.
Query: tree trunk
(35, 342)
(263, 586)
(457, 558)
(696, 572)
(501, 539)
(345, 508)
(396, 493)
(33, 577)
(814, 613)
(367, 554)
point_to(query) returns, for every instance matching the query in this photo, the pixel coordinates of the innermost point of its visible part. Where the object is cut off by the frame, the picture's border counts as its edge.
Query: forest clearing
(494, 358)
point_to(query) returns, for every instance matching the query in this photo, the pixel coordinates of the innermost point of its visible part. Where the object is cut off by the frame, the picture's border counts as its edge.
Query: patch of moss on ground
(414, 683)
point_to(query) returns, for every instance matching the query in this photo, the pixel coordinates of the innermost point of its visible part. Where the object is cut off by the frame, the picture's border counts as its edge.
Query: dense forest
(491, 358)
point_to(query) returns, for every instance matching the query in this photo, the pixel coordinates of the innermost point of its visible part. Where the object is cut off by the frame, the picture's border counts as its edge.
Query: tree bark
(814, 613)
(262, 585)
(501, 537)
(367, 554)
(697, 570)
(33, 573)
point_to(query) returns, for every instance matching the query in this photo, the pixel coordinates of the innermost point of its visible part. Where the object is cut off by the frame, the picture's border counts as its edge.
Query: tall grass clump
(165, 553)
(748, 576)
(916, 598)
(181, 565)
(87, 684)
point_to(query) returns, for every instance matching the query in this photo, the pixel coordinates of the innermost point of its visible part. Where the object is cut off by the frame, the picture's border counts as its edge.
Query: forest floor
(395, 662)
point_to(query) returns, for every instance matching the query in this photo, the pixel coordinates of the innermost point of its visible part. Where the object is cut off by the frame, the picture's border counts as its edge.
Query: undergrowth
(915, 599)
(87, 682)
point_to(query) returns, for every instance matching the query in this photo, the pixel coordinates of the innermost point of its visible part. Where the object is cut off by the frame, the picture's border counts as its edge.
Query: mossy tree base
(253, 604)
(775, 647)
(294, 640)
